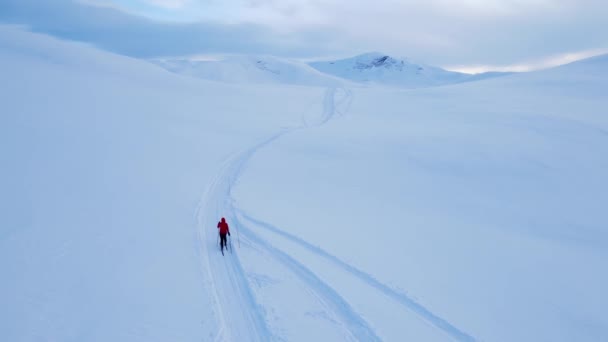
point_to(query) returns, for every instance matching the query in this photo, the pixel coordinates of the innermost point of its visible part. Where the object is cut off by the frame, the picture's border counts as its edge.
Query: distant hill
(378, 68)
(251, 69)
(368, 69)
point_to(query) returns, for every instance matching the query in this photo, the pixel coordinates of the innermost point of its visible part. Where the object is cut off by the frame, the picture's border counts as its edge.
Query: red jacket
(223, 227)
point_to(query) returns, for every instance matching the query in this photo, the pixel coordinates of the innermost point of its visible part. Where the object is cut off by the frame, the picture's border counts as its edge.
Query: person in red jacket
(223, 228)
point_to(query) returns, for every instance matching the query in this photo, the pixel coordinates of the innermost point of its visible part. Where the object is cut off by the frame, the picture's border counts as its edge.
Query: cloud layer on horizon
(440, 32)
(137, 36)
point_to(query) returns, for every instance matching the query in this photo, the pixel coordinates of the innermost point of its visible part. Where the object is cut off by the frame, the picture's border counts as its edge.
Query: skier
(222, 226)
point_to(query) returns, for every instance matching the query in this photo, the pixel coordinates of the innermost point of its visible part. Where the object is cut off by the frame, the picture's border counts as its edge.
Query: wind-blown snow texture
(466, 212)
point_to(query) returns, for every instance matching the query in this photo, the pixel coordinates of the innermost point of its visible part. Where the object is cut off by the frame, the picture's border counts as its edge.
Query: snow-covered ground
(246, 69)
(379, 69)
(104, 162)
(464, 212)
(483, 203)
(370, 69)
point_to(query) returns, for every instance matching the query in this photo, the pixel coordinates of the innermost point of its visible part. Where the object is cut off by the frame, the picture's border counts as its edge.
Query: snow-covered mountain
(247, 69)
(367, 69)
(382, 69)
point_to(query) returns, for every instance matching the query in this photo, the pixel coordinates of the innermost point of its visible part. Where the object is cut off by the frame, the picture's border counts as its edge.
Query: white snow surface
(246, 69)
(375, 68)
(467, 212)
(370, 69)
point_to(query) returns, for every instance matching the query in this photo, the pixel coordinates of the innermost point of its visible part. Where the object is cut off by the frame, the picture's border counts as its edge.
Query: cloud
(172, 4)
(473, 33)
(543, 63)
(118, 31)
(442, 32)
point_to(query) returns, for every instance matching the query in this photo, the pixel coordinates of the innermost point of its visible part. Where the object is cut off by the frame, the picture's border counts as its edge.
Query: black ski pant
(222, 241)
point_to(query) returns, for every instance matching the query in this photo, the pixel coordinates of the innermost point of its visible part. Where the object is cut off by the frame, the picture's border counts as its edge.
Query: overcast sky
(469, 35)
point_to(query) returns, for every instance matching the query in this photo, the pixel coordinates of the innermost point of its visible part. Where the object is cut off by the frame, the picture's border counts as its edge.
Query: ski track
(401, 298)
(355, 326)
(238, 314)
(233, 299)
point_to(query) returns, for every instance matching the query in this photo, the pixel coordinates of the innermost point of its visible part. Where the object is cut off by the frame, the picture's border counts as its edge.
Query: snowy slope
(250, 70)
(382, 69)
(477, 208)
(105, 160)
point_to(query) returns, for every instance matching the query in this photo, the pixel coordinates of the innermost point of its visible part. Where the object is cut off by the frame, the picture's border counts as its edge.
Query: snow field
(464, 212)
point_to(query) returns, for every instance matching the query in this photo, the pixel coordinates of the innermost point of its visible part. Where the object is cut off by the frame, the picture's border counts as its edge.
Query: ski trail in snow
(328, 106)
(336, 101)
(402, 298)
(332, 105)
(356, 326)
(238, 314)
